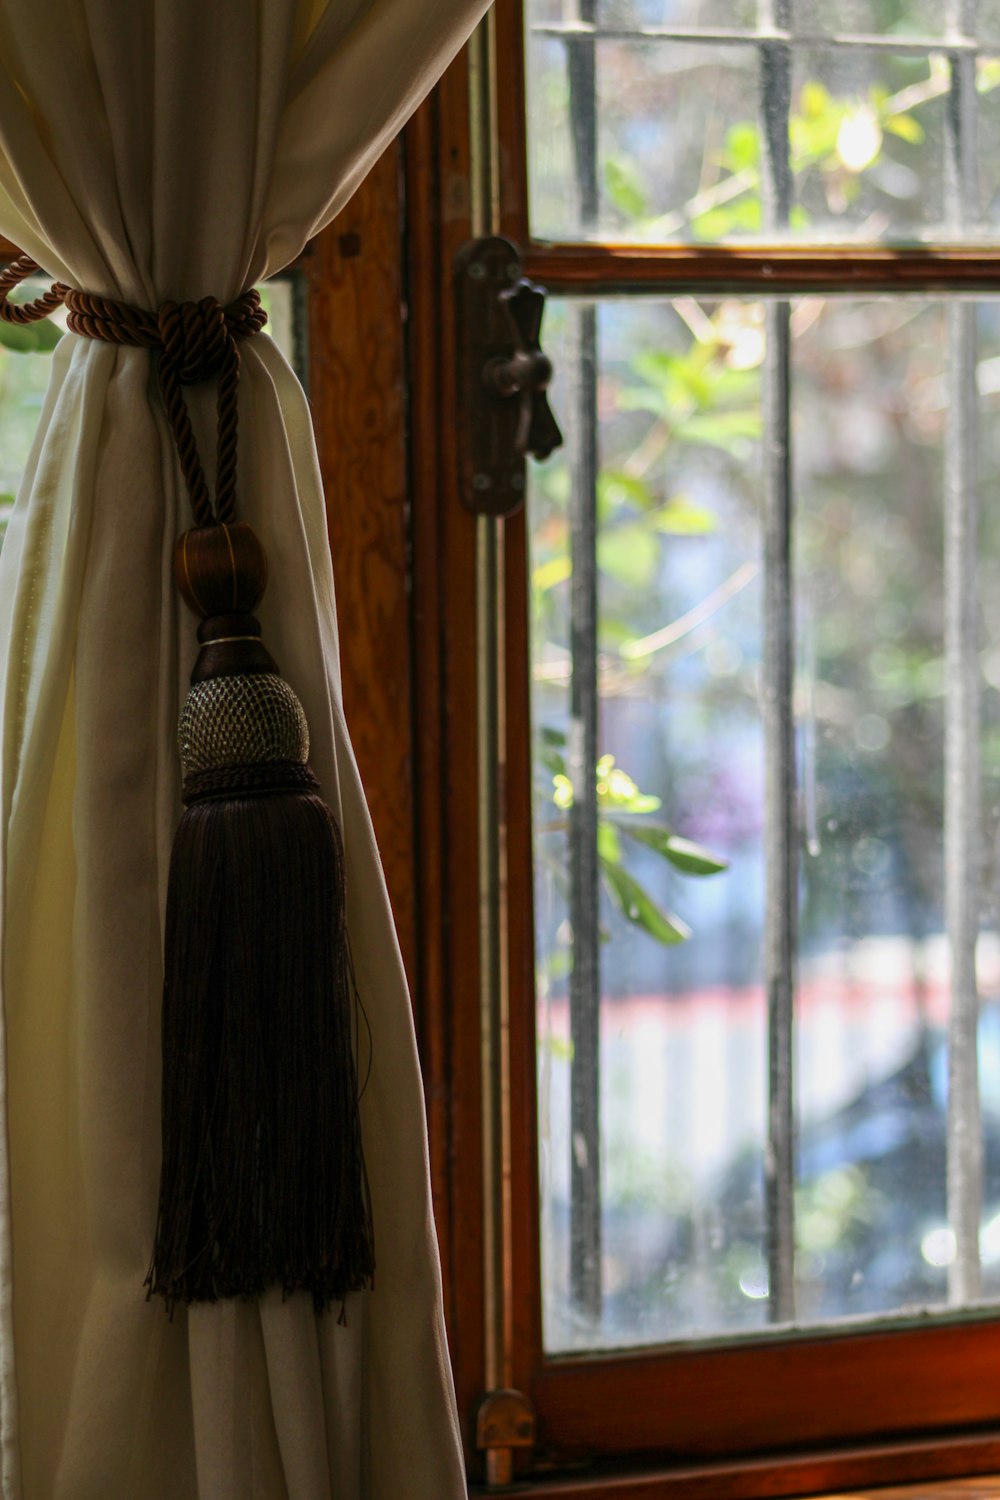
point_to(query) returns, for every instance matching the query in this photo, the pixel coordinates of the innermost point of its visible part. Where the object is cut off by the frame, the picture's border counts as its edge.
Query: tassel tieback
(263, 1179)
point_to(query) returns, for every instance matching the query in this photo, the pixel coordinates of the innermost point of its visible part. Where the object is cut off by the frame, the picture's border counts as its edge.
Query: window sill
(985, 1488)
(952, 1467)
(651, 1487)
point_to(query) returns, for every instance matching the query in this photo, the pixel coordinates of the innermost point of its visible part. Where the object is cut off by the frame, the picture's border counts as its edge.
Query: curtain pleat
(177, 149)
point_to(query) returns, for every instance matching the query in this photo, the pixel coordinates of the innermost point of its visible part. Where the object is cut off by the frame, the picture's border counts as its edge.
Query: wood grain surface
(987, 1488)
(356, 389)
(607, 269)
(881, 1474)
(444, 614)
(984, 1488)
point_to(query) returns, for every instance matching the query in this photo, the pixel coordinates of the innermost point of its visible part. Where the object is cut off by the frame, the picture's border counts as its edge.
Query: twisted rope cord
(195, 341)
(27, 312)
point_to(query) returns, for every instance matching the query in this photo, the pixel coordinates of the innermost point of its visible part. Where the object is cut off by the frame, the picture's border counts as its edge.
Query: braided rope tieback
(195, 341)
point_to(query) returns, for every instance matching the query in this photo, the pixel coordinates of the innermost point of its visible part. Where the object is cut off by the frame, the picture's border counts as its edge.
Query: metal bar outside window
(962, 712)
(900, 46)
(777, 707)
(585, 974)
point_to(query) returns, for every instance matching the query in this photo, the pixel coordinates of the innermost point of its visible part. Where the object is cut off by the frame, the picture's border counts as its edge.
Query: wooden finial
(221, 569)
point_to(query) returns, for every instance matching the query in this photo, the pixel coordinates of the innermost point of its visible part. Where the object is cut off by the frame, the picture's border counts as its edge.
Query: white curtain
(154, 149)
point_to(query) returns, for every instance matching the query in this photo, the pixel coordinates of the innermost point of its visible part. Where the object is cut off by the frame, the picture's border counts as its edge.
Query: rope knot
(195, 339)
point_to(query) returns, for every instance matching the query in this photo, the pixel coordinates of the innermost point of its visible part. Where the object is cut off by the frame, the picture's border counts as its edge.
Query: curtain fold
(177, 149)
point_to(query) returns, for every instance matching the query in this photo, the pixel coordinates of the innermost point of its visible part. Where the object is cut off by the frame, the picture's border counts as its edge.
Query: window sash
(774, 41)
(875, 1395)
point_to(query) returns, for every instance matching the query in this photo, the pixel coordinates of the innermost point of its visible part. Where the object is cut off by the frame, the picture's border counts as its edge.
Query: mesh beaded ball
(241, 721)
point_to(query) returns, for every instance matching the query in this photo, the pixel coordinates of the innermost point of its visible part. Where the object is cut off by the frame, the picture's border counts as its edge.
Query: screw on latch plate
(505, 1421)
(503, 376)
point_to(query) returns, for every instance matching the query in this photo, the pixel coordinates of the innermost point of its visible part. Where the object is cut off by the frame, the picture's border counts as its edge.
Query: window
(756, 578)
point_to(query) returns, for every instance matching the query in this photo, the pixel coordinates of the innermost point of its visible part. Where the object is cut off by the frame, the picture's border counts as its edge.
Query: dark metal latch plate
(503, 375)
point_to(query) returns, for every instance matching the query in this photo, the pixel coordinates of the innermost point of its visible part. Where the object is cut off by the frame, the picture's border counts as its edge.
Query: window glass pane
(282, 300)
(895, 17)
(703, 14)
(657, 105)
(680, 677)
(25, 355)
(988, 76)
(872, 997)
(679, 746)
(628, 106)
(867, 144)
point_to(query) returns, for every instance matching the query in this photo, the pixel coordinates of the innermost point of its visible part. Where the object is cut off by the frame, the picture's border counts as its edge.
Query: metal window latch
(503, 376)
(505, 1421)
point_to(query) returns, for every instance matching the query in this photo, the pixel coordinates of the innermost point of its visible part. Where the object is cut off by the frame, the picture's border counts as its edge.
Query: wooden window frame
(764, 1418)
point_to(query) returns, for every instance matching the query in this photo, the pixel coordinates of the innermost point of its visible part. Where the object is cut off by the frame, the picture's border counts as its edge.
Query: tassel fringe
(263, 1179)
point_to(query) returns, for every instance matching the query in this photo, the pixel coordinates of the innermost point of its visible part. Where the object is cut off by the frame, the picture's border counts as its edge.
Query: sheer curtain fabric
(152, 150)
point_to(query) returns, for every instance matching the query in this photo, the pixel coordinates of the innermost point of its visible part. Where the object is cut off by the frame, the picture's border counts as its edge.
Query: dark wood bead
(221, 569)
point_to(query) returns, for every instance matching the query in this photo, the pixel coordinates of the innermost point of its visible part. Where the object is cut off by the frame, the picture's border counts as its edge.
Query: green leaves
(629, 554)
(742, 215)
(620, 804)
(629, 896)
(741, 148)
(688, 857)
(638, 907)
(709, 394)
(683, 517)
(616, 489)
(617, 792)
(624, 187)
(550, 752)
(907, 127)
(30, 338)
(679, 380)
(732, 431)
(552, 571)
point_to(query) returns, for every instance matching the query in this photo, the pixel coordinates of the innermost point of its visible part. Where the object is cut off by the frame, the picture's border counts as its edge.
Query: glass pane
(701, 14)
(675, 145)
(679, 624)
(867, 144)
(656, 103)
(25, 355)
(894, 17)
(869, 528)
(282, 299)
(680, 675)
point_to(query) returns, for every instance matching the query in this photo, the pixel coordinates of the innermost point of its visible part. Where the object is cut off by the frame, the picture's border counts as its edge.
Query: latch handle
(504, 413)
(527, 372)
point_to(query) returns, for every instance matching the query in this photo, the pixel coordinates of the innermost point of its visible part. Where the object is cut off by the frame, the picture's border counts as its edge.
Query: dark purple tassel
(263, 1180)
